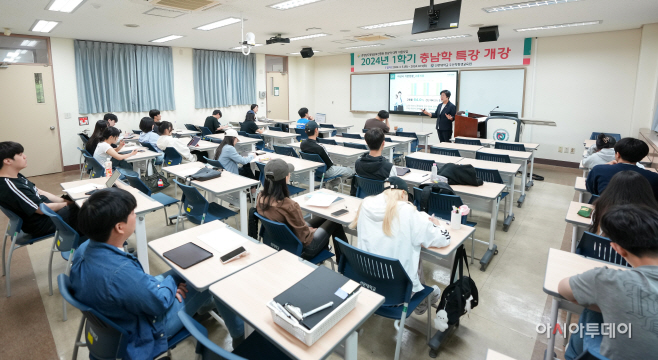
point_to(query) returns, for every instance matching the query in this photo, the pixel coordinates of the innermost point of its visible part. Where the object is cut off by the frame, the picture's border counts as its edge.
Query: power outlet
(573, 151)
(559, 149)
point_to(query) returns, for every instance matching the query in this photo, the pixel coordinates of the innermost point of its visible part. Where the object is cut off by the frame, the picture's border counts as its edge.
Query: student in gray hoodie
(602, 152)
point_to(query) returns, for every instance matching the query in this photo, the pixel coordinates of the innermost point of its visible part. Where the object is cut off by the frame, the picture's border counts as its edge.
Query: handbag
(205, 174)
(456, 295)
(156, 181)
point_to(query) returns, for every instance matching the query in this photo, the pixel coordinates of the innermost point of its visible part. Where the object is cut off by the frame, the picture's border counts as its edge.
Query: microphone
(493, 109)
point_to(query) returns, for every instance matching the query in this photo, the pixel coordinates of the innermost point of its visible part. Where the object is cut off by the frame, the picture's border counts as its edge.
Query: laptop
(195, 140)
(110, 182)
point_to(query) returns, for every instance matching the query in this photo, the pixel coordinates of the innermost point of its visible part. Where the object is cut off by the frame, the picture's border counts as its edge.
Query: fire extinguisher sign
(83, 120)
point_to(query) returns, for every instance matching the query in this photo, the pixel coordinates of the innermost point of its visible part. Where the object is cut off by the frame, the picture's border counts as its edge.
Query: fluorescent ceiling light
(44, 26)
(444, 37)
(315, 51)
(286, 5)
(525, 5)
(23, 52)
(29, 43)
(362, 46)
(66, 6)
(218, 24)
(240, 47)
(395, 23)
(166, 38)
(558, 26)
(308, 36)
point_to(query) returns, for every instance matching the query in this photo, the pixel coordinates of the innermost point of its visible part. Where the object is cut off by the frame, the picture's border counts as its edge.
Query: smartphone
(239, 252)
(339, 212)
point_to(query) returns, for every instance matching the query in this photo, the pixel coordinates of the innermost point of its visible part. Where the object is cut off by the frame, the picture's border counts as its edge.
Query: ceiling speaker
(488, 33)
(306, 52)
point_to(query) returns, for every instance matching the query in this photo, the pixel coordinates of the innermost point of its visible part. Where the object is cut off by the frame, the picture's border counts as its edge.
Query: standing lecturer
(445, 114)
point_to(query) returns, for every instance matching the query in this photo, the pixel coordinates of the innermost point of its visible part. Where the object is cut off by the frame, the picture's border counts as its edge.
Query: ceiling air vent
(373, 37)
(184, 5)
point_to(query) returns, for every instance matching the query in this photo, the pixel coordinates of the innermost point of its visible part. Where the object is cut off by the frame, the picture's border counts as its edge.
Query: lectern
(468, 126)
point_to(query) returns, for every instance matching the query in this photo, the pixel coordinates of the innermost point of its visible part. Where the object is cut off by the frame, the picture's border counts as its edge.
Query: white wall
(301, 84)
(63, 59)
(646, 89)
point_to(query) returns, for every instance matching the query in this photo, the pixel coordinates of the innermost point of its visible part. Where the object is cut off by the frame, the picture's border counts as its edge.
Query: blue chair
(243, 133)
(285, 150)
(414, 144)
(216, 141)
(391, 281)
(596, 134)
(198, 210)
(96, 170)
(598, 247)
(440, 205)
(588, 355)
(364, 130)
(330, 126)
(259, 145)
(419, 164)
(137, 132)
(327, 141)
(154, 149)
(65, 241)
(321, 171)
(205, 131)
(301, 134)
(352, 136)
(252, 348)
(275, 128)
(83, 164)
(468, 141)
(593, 198)
(191, 127)
(355, 146)
(447, 152)
(493, 157)
(19, 239)
(279, 237)
(492, 175)
(509, 146)
(396, 155)
(163, 199)
(110, 340)
(172, 157)
(84, 139)
(214, 163)
(293, 190)
(368, 187)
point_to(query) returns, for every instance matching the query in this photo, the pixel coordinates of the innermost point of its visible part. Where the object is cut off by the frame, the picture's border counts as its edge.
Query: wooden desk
(581, 187)
(279, 121)
(208, 272)
(398, 139)
(243, 142)
(350, 204)
(438, 159)
(423, 138)
(301, 166)
(519, 157)
(560, 265)
(532, 148)
(464, 150)
(484, 142)
(387, 146)
(341, 155)
(341, 128)
(577, 221)
(278, 137)
(247, 292)
(145, 205)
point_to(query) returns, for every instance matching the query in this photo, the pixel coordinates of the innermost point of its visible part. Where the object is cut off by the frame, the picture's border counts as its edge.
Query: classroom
(329, 179)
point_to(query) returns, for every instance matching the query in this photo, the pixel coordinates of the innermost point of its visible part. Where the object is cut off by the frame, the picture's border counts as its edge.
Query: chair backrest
(67, 238)
(191, 127)
(439, 205)
(383, 275)
(172, 157)
(589, 354)
(448, 152)
(419, 164)
(351, 136)
(137, 132)
(596, 134)
(364, 130)
(593, 198)
(261, 169)
(368, 187)
(493, 157)
(275, 128)
(302, 134)
(216, 141)
(327, 141)
(15, 222)
(356, 146)
(278, 236)
(195, 205)
(414, 144)
(214, 163)
(150, 147)
(260, 144)
(598, 247)
(205, 347)
(468, 141)
(489, 175)
(84, 139)
(314, 157)
(509, 146)
(205, 131)
(84, 152)
(97, 170)
(138, 184)
(331, 126)
(285, 150)
(242, 133)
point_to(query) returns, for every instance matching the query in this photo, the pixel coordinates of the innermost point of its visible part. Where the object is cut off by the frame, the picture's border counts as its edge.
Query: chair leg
(166, 217)
(178, 217)
(4, 246)
(50, 268)
(79, 343)
(8, 268)
(429, 318)
(398, 344)
(472, 247)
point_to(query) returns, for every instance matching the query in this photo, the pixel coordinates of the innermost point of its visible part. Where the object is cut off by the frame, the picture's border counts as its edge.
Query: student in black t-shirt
(22, 197)
(373, 165)
(212, 123)
(157, 118)
(249, 125)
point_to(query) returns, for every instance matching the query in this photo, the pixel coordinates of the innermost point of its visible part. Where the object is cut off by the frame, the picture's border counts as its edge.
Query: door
(31, 119)
(277, 96)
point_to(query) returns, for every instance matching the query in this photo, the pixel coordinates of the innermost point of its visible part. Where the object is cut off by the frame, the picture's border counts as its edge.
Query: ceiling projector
(277, 40)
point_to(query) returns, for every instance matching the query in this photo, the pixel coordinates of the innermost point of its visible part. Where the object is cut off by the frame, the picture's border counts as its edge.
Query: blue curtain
(223, 79)
(123, 77)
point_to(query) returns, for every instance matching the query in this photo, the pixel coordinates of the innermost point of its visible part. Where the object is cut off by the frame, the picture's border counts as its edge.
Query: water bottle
(435, 173)
(466, 113)
(108, 168)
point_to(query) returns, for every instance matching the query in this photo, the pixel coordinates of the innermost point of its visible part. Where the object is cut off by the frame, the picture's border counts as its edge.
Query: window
(24, 50)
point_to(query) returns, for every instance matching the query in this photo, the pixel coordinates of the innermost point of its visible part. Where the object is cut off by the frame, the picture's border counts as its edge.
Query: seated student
(22, 197)
(105, 152)
(113, 282)
(380, 122)
(155, 116)
(619, 296)
(275, 204)
(112, 120)
(389, 225)
(212, 123)
(628, 152)
(602, 152)
(311, 146)
(625, 187)
(373, 165)
(229, 157)
(180, 145)
(304, 118)
(249, 125)
(95, 137)
(150, 135)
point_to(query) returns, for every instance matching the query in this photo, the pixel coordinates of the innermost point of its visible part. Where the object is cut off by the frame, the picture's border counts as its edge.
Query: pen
(318, 309)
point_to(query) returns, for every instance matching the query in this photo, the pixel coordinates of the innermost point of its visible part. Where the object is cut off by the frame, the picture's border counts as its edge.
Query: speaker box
(488, 33)
(306, 52)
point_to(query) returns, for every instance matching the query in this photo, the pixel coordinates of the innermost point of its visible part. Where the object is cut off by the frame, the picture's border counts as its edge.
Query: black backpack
(252, 223)
(453, 299)
(437, 188)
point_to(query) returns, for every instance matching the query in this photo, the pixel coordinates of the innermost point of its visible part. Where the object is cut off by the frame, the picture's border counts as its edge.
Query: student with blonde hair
(389, 225)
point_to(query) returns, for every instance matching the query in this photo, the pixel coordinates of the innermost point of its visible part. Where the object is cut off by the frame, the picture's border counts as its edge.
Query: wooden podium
(468, 126)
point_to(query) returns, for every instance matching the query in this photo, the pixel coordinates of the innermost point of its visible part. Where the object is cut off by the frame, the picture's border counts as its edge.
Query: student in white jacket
(389, 225)
(166, 140)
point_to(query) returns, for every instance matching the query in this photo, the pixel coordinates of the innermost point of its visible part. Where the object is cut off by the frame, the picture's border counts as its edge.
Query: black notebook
(313, 291)
(187, 255)
(402, 170)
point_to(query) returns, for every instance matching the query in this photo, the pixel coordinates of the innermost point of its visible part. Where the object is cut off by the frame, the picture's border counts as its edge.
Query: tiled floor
(511, 298)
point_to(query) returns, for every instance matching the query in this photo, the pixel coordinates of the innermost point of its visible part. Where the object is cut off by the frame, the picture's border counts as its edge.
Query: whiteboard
(369, 92)
(482, 90)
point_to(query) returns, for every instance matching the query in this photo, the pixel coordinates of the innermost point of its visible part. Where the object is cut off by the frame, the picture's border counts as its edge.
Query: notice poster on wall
(410, 93)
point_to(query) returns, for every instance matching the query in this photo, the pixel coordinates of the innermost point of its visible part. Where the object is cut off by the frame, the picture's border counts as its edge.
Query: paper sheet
(415, 177)
(321, 200)
(84, 188)
(222, 243)
(188, 172)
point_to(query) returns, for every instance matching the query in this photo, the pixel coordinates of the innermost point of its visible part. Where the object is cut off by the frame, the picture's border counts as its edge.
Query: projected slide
(410, 93)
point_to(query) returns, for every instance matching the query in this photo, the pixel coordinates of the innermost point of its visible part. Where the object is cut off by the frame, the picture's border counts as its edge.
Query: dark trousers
(200, 155)
(325, 229)
(444, 135)
(70, 216)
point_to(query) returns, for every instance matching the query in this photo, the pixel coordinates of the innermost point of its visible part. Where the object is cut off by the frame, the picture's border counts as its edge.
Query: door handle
(52, 128)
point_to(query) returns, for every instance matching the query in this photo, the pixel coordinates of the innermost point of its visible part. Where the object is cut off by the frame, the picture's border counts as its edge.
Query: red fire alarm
(83, 121)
